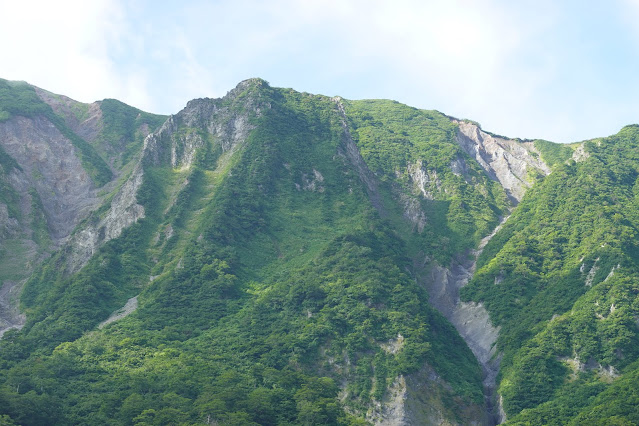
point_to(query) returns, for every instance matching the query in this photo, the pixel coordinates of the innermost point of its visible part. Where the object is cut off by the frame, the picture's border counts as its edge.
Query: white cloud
(65, 46)
(462, 57)
(512, 66)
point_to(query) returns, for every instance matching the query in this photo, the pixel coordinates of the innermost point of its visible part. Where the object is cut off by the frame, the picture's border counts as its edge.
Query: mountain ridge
(300, 209)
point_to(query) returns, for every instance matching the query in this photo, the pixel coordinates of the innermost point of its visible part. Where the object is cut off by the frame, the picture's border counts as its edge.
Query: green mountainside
(561, 280)
(267, 257)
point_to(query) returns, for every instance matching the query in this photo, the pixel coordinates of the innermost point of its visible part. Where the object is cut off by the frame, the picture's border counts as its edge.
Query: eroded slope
(51, 179)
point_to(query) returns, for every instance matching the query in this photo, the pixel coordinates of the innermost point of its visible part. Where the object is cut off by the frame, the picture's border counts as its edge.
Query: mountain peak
(253, 81)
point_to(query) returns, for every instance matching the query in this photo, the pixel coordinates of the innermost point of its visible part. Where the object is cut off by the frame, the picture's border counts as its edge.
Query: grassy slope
(577, 226)
(265, 294)
(122, 135)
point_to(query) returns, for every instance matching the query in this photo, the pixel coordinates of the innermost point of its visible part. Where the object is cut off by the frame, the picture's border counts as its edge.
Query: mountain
(276, 257)
(59, 161)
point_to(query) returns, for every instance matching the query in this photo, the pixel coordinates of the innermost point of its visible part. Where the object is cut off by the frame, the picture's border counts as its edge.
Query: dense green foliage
(18, 98)
(561, 278)
(553, 153)
(274, 285)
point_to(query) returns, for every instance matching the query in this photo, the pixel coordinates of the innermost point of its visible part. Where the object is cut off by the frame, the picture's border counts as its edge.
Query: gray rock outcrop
(511, 163)
(174, 144)
(88, 127)
(124, 211)
(52, 167)
(51, 184)
(421, 399)
(177, 141)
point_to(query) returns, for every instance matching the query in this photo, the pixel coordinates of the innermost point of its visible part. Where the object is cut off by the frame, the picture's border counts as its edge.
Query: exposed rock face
(506, 161)
(413, 212)
(50, 178)
(227, 128)
(166, 145)
(391, 411)
(580, 154)
(513, 164)
(55, 194)
(425, 181)
(50, 165)
(459, 167)
(10, 316)
(174, 144)
(124, 212)
(130, 306)
(425, 184)
(88, 127)
(470, 319)
(9, 226)
(420, 399)
(312, 182)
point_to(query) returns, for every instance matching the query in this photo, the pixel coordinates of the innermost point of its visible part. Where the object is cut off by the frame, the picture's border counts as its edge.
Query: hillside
(560, 280)
(59, 161)
(276, 257)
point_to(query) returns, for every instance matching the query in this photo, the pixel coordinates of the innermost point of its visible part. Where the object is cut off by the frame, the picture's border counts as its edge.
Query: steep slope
(275, 257)
(558, 279)
(51, 177)
(514, 164)
(277, 254)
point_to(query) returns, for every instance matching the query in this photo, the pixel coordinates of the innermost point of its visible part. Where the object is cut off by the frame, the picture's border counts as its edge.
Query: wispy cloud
(64, 46)
(557, 70)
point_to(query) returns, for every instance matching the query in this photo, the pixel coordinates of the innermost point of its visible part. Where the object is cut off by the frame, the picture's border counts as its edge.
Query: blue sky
(558, 70)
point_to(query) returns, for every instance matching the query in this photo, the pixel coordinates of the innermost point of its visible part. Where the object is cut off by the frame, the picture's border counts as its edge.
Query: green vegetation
(560, 279)
(124, 128)
(553, 153)
(277, 288)
(399, 143)
(13, 259)
(19, 98)
(7, 162)
(39, 225)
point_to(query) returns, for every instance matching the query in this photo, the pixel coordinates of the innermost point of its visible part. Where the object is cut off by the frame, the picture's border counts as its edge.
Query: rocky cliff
(54, 194)
(471, 320)
(204, 124)
(50, 165)
(514, 164)
(46, 188)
